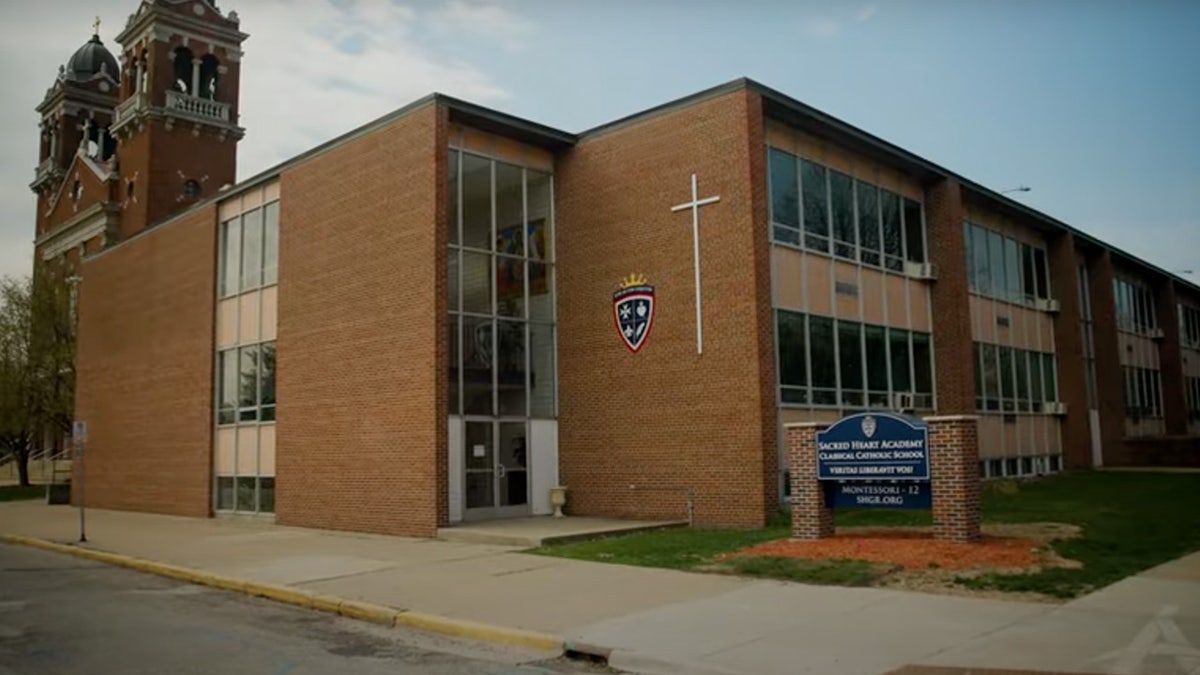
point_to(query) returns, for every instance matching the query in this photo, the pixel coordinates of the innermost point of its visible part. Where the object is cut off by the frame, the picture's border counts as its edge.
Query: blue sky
(1094, 105)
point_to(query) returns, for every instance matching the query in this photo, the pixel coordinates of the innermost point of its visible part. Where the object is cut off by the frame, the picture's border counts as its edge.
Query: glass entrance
(496, 463)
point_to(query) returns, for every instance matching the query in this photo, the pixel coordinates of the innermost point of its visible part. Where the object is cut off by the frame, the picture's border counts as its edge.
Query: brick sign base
(954, 476)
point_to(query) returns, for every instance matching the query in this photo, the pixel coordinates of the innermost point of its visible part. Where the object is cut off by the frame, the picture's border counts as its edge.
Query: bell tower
(176, 117)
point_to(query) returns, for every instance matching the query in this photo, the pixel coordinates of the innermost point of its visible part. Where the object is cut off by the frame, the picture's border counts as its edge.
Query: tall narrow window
(914, 231)
(1048, 377)
(877, 362)
(841, 192)
(266, 395)
(1021, 358)
(922, 363)
(893, 238)
(248, 384)
(228, 386)
(991, 378)
(1035, 381)
(252, 233)
(983, 261)
(231, 256)
(270, 243)
(898, 351)
(793, 369)
(824, 365)
(996, 264)
(452, 196)
(1039, 270)
(1006, 378)
(785, 196)
(977, 361)
(476, 195)
(1028, 276)
(868, 222)
(851, 357)
(816, 206)
(1012, 261)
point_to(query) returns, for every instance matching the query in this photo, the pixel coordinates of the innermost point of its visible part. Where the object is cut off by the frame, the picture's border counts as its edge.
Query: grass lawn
(1131, 521)
(11, 493)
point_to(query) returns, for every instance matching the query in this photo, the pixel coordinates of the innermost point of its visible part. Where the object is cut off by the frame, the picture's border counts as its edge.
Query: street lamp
(1019, 188)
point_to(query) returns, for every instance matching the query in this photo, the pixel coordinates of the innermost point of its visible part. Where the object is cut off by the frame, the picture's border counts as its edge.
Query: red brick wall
(811, 519)
(155, 157)
(1110, 386)
(361, 423)
(637, 431)
(145, 369)
(954, 476)
(952, 344)
(1170, 354)
(1068, 346)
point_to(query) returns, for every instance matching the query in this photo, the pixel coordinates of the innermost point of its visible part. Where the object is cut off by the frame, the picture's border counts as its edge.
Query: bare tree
(37, 357)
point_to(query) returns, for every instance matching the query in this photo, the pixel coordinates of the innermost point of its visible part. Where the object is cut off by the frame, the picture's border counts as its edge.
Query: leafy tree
(37, 361)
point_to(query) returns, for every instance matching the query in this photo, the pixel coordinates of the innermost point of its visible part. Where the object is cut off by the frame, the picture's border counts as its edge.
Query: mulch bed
(910, 550)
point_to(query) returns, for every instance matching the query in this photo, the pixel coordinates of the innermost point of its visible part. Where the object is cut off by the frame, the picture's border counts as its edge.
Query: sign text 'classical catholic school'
(874, 446)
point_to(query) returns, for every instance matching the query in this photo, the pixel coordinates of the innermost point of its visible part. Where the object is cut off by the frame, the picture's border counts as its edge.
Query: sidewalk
(654, 620)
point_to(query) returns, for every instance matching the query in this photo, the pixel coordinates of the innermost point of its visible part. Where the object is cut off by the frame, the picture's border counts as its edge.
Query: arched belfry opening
(209, 76)
(183, 70)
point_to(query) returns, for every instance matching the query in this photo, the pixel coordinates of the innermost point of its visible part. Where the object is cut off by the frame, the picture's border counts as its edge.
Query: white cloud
(313, 69)
(867, 12)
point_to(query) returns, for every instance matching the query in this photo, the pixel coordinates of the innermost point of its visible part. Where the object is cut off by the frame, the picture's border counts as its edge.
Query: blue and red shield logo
(633, 311)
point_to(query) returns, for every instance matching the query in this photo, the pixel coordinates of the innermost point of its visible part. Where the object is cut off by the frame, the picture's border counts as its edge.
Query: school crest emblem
(868, 426)
(633, 311)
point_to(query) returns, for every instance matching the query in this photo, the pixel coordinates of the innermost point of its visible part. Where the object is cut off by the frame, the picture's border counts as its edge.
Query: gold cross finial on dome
(96, 26)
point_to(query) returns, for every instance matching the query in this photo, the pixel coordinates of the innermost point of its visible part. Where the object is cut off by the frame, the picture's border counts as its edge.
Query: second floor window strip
(824, 210)
(1003, 268)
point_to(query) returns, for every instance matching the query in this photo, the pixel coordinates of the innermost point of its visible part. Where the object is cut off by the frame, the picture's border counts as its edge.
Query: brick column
(1110, 382)
(1068, 347)
(1170, 358)
(811, 519)
(954, 472)
(944, 217)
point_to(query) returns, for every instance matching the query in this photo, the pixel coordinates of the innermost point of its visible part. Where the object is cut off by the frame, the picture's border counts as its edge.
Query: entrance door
(497, 469)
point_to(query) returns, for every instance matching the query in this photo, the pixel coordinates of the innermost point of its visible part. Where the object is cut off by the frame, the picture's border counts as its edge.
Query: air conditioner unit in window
(921, 270)
(1047, 305)
(903, 402)
(1156, 333)
(1054, 408)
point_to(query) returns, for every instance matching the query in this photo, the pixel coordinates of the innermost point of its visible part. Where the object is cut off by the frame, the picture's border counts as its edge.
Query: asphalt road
(60, 614)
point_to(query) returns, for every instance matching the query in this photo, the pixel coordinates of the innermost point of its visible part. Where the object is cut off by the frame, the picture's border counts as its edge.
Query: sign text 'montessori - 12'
(874, 446)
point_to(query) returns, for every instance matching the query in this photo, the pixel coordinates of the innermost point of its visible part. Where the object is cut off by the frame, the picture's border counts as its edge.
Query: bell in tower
(176, 118)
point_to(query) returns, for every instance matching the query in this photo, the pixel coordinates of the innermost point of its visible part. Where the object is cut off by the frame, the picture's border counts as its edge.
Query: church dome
(89, 59)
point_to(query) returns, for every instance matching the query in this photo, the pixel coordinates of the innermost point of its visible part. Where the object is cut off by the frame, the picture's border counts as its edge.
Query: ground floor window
(1143, 393)
(1020, 467)
(827, 362)
(1009, 379)
(244, 446)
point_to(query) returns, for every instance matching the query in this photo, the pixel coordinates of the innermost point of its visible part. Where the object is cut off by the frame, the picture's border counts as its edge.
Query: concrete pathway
(662, 620)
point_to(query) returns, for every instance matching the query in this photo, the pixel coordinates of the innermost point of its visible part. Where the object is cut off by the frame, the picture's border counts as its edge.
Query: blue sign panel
(874, 446)
(911, 494)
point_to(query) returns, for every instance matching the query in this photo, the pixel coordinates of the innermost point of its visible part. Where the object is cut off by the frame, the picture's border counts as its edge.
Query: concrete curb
(353, 609)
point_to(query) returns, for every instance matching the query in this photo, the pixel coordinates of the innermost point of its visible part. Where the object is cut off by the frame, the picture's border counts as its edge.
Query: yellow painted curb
(284, 594)
(366, 611)
(326, 603)
(353, 609)
(480, 631)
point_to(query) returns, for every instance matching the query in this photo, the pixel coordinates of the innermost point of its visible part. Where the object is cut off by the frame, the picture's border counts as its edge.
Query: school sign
(874, 446)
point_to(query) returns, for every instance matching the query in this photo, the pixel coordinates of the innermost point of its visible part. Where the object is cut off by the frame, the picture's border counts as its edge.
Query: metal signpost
(878, 460)
(79, 438)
